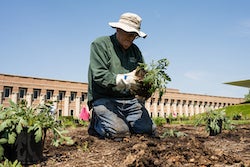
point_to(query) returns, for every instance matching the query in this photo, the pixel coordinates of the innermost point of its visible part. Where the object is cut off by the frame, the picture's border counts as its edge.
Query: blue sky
(207, 42)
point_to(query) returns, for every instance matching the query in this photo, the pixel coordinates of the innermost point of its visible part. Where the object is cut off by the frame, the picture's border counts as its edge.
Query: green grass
(242, 110)
(184, 122)
(240, 122)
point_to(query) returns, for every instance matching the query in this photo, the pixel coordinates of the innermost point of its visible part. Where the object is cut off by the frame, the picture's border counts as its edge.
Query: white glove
(124, 81)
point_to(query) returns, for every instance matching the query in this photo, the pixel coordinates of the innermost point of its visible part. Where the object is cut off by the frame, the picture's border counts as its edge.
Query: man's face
(125, 38)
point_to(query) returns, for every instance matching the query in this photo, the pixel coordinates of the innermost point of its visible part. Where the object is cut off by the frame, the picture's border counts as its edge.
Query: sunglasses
(130, 34)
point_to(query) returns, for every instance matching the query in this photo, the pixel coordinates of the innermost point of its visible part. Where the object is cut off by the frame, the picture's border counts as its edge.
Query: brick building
(69, 97)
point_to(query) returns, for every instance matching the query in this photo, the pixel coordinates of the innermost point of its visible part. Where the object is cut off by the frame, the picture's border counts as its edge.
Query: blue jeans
(117, 118)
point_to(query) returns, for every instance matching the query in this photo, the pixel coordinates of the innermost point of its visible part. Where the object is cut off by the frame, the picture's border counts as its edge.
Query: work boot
(91, 128)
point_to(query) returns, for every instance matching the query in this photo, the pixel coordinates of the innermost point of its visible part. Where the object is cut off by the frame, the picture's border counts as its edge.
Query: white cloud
(194, 75)
(157, 14)
(245, 27)
(246, 23)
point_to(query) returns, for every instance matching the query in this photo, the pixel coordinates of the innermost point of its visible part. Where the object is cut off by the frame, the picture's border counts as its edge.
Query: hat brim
(127, 28)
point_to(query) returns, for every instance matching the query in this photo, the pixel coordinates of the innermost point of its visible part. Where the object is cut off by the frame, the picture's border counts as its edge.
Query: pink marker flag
(84, 115)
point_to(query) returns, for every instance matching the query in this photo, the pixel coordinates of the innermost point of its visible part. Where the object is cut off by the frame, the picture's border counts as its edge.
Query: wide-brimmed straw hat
(129, 22)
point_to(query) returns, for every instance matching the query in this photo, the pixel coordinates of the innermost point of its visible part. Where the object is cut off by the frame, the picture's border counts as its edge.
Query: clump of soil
(143, 91)
(196, 148)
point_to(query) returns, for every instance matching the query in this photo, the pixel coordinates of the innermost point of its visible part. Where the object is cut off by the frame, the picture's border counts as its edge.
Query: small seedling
(152, 78)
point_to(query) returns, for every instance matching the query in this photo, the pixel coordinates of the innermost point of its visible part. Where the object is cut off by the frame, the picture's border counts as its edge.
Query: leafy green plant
(172, 133)
(242, 109)
(237, 116)
(83, 123)
(19, 116)
(67, 121)
(8, 163)
(159, 121)
(247, 97)
(170, 118)
(152, 78)
(70, 121)
(215, 121)
(84, 147)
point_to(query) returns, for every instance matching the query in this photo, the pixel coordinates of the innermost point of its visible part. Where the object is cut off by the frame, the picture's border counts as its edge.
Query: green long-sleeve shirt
(107, 59)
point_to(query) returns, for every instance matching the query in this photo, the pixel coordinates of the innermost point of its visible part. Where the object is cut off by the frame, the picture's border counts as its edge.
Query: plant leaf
(1, 152)
(11, 138)
(38, 134)
(3, 141)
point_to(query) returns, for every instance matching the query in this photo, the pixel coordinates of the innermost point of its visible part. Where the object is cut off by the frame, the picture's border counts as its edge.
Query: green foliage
(153, 77)
(70, 121)
(172, 133)
(19, 116)
(159, 121)
(83, 123)
(237, 116)
(67, 121)
(171, 118)
(213, 119)
(1, 151)
(84, 147)
(8, 163)
(247, 97)
(240, 109)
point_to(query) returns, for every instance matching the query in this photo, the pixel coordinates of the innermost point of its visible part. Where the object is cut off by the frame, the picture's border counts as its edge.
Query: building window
(7, 91)
(172, 102)
(165, 101)
(61, 95)
(151, 101)
(60, 113)
(22, 93)
(71, 112)
(36, 93)
(83, 96)
(49, 94)
(184, 102)
(72, 96)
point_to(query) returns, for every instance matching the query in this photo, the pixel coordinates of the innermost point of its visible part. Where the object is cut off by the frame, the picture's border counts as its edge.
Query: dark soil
(196, 148)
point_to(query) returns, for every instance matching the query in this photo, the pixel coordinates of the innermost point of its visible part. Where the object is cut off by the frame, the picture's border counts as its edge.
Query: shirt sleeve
(99, 65)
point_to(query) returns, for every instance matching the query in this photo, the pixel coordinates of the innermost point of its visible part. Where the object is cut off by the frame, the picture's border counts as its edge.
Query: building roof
(242, 83)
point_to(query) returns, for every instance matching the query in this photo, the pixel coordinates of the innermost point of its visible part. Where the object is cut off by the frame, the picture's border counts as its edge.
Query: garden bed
(197, 148)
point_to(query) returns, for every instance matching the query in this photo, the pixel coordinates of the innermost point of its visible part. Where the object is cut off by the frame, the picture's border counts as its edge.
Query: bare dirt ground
(230, 148)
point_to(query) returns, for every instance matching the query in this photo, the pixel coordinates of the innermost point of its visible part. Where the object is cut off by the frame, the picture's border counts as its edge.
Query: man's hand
(126, 81)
